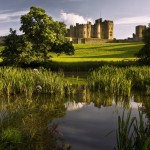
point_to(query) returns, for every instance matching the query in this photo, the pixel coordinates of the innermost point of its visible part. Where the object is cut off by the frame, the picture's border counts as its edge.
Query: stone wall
(88, 40)
(101, 30)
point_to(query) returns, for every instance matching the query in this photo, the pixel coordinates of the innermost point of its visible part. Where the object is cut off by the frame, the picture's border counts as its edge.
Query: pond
(84, 121)
(92, 125)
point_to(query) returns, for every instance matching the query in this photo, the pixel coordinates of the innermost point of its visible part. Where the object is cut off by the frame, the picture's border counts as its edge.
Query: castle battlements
(100, 30)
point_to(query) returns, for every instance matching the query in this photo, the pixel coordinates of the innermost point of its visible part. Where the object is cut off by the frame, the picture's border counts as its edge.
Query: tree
(65, 47)
(144, 52)
(42, 31)
(17, 49)
(41, 34)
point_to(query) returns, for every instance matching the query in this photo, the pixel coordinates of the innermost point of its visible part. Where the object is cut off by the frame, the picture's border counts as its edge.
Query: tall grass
(26, 82)
(133, 133)
(120, 81)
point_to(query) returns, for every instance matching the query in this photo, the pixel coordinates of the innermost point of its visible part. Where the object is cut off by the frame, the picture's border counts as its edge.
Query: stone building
(139, 32)
(101, 30)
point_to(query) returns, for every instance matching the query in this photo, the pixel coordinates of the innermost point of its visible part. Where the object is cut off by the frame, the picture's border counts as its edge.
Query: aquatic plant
(133, 133)
(27, 81)
(120, 81)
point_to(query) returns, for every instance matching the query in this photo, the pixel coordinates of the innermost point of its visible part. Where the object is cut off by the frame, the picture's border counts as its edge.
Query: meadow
(101, 52)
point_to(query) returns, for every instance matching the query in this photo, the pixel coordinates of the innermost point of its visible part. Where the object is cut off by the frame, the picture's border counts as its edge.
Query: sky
(126, 14)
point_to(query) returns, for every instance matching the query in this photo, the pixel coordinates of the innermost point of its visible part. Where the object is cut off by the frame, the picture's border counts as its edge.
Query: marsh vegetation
(32, 98)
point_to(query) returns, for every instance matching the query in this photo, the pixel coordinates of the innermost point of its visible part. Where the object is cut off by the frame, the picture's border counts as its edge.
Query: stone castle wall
(138, 36)
(100, 30)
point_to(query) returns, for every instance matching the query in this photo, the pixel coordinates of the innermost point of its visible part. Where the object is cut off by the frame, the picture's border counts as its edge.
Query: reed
(120, 81)
(133, 133)
(20, 81)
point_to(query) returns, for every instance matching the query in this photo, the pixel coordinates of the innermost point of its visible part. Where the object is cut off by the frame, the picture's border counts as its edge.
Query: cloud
(133, 20)
(7, 16)
(72, 19)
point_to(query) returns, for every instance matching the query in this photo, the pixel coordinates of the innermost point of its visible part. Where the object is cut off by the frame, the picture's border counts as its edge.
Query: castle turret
(139, 31)
(84, 31)
(98, 28)
(72, 31)
(110, 30)
(89, 29)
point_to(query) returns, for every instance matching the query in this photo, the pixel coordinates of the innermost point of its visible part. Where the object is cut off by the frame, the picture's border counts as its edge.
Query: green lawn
(100, 52)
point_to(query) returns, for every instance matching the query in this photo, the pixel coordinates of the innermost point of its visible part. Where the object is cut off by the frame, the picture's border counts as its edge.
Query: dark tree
(65, 47)
(17, 49)
(144, 52)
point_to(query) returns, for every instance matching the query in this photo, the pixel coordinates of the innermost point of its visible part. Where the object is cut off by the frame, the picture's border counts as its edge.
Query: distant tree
(65, 47)
(144, 52)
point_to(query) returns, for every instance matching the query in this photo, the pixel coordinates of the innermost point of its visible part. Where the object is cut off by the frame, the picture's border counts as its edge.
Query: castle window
(110, 33)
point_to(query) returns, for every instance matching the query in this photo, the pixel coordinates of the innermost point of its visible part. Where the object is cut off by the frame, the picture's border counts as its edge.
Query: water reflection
(91, 123)
(26, 124)
(85, 119)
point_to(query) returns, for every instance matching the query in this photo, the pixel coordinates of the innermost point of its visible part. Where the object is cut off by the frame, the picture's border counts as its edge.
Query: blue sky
(126, 14)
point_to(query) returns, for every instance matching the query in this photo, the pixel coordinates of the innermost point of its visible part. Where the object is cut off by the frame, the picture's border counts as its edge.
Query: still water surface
(92, 126)
(87, 121)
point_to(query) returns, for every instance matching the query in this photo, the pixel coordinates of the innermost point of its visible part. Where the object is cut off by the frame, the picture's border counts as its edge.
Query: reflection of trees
(123, 101)
(30, 118)
(101, 99)
(145, 103)
(83, 94)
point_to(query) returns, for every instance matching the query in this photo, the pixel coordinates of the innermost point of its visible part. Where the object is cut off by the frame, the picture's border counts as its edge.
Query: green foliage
(65, 47)
(40, 33)
(27, 82)
(17, 49)
(120, 81)
(133, 134)
(144, 53)
(27, 124)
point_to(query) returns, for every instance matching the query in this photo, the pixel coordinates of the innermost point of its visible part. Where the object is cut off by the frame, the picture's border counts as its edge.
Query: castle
(139, 32)
(88, 33)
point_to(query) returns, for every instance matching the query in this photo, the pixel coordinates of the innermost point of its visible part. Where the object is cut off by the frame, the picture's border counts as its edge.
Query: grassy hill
(90, 56)
(100, 52)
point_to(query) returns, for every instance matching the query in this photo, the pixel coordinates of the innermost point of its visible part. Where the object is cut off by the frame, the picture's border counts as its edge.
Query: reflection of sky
(86, 128)
(73, 105)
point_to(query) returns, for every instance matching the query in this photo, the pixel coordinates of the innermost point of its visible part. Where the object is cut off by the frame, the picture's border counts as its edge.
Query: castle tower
(84, 31)
(72, 31)
(139, 31)
(98, 28)
(89, 30)
(110, 30)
